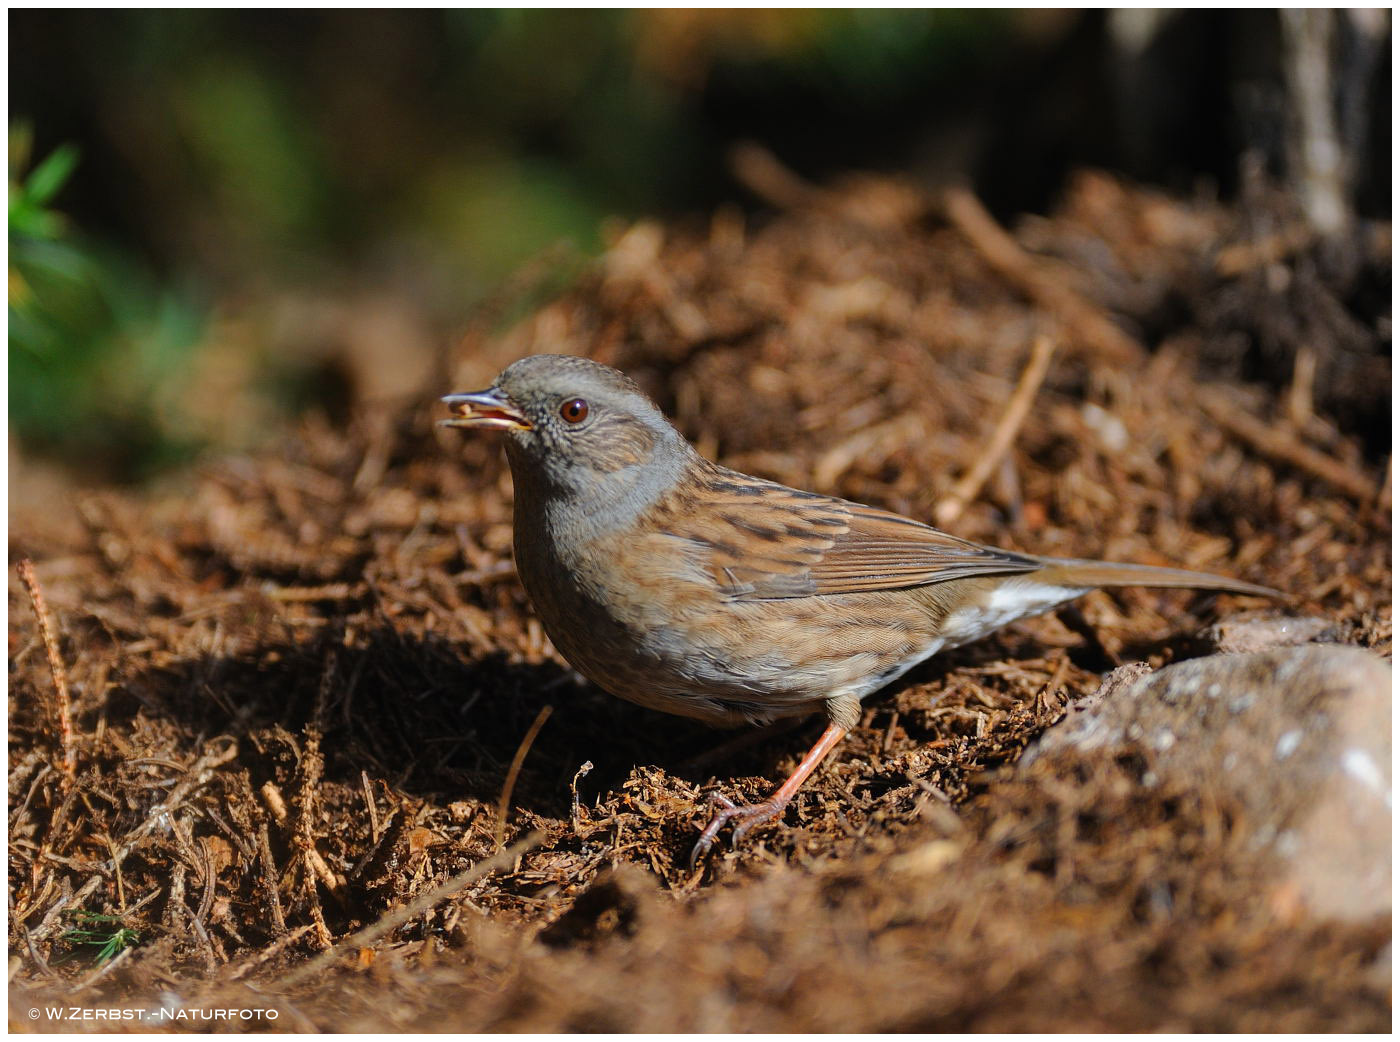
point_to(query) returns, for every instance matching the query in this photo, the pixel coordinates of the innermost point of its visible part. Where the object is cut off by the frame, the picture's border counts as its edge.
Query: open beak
(484, 410)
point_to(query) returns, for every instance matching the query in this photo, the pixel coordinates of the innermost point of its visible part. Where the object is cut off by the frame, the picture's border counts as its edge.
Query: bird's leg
(753, 814)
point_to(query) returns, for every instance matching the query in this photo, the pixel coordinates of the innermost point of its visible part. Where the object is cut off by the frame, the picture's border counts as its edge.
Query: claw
(751, 814)
(757, 813)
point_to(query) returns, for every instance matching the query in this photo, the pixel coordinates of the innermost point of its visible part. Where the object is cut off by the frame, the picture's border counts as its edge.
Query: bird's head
(583, 428)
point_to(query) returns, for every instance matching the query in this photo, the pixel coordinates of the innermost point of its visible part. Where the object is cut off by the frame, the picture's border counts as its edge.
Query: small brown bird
(678, 584)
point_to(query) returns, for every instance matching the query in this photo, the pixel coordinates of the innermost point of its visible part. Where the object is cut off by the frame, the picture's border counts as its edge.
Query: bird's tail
(1063, 571)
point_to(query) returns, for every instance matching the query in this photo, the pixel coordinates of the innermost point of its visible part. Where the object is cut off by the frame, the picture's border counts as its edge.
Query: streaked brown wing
(883, 551)
(768, 542)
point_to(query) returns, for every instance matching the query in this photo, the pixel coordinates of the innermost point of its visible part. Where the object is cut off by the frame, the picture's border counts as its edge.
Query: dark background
(256, 196)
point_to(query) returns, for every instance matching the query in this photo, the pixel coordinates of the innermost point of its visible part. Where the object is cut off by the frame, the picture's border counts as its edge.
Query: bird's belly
(682, 650)
(627, 639)
(719, 674)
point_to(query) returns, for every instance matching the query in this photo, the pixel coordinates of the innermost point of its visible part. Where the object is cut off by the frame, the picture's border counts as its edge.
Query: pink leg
(757, 813)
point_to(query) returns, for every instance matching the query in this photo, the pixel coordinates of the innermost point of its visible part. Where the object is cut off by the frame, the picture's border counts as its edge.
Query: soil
(303, 684)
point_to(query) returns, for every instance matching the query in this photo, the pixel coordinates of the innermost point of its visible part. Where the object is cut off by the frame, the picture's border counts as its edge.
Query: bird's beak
(484, 410)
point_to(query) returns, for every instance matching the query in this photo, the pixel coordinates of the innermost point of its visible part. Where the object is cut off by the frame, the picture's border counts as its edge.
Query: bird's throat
(578, 504)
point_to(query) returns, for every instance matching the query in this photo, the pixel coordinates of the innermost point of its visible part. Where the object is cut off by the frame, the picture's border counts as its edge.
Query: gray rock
(1263, 630)
(1299, 738)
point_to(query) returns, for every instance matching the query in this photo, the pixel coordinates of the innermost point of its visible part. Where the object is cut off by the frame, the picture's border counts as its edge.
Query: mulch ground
(303, 685)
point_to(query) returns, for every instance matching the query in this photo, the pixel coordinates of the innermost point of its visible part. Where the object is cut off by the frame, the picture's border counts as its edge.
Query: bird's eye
(575, 410)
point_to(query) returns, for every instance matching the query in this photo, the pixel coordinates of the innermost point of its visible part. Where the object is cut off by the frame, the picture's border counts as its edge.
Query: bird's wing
(764, 541)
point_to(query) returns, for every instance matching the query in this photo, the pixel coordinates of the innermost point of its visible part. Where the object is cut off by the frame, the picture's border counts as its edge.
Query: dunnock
(677, 584)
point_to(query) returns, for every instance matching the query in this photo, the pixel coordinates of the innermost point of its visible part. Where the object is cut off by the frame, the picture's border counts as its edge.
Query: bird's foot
(747, 814)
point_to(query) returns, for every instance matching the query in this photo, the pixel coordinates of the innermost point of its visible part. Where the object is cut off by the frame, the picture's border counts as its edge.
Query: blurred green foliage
(28, 216)
(96, 345)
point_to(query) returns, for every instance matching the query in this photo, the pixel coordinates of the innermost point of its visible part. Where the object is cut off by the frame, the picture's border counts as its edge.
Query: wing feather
(764, 541)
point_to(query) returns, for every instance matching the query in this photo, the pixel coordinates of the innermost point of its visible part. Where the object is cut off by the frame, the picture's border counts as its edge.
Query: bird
(684, 586)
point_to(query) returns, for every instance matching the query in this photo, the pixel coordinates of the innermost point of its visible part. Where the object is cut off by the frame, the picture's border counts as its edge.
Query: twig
(583, 770)
(197, 776)
(102, 971)
(758, 170)
(891, 434)
(276, 805)
(211, 961)
(514, 772)
(121, 888)
(328, 592)
(416, 907)
(1300, 390)
(269, 879)
(888, 739)
(1284, 446)
(373, 811)
(1017, 408)
(35, 955)
(313, 904)
(1003, 253)
(310, 767)
(17, 817)
(1236, 259)
(498, 572)
(63, 709)
(23, 770)
(37, 894)
(206, 903)
(268, 953)
(52, 918)
(876, 204)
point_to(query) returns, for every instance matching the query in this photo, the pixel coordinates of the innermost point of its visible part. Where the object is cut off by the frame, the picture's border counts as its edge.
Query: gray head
(583, 429)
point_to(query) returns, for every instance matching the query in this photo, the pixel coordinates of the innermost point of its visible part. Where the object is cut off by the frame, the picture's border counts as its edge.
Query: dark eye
(575, 410)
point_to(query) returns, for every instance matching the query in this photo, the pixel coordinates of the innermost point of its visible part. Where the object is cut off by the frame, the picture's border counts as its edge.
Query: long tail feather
(1070, 572)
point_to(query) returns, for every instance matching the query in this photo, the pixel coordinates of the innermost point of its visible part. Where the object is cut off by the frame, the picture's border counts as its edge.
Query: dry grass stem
(1280, 444)
(1017, 408)
(513, 772)
(62, 708)
(395, 919)
(1085, 321)
(1238, 258)
(758, 170)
